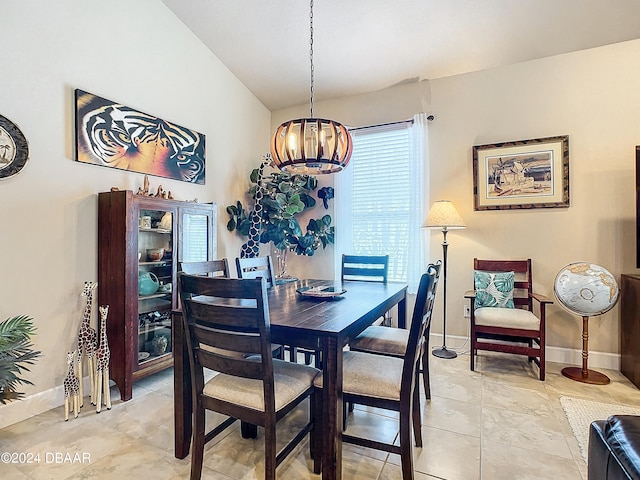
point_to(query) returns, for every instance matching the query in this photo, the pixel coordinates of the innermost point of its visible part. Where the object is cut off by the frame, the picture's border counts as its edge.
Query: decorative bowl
(155, 254)
(148, 283)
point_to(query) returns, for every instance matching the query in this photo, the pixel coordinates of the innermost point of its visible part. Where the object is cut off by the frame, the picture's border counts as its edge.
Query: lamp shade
(443, 215)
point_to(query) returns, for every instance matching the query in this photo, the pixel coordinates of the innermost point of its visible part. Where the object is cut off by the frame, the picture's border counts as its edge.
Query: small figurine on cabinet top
(146, 191)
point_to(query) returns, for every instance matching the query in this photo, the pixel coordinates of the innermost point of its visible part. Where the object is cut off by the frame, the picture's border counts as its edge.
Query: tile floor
(497, 423)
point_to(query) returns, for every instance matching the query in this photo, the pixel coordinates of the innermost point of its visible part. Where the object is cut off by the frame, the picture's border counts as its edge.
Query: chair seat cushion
(370, 375)
(382, 340)
(507, 318)
(291, 380)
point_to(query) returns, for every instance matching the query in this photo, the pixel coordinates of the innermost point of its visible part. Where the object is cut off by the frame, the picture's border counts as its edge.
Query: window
(196, 227)
(379, 198)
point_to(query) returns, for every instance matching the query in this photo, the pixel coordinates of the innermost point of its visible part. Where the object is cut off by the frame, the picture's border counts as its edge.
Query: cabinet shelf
(152, 357)
(155, 230)
(155, 295)
(161, 263)
(146, 329)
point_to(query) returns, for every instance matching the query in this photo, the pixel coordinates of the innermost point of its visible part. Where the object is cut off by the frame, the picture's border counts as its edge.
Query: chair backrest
(420, 327)
(213, 268)
(437, 267)
(523, 285)
(372, 268)
(222, 314)
(256, 267)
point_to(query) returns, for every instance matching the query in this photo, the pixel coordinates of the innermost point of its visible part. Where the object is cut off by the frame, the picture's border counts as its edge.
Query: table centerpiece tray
(321, 291)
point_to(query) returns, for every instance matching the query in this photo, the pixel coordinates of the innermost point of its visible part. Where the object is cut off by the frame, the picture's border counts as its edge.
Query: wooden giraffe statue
(251, 248)
(102, 364)
(71, 388)
(87, 343)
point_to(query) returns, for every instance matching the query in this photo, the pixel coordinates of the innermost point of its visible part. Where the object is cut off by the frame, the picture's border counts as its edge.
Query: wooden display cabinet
(139, 322)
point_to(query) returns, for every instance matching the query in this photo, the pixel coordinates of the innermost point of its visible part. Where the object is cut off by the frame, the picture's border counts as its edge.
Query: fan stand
(583, 374)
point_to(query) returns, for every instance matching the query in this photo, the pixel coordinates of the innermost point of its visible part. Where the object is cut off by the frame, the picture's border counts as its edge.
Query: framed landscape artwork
(113, 135)
(522, 174)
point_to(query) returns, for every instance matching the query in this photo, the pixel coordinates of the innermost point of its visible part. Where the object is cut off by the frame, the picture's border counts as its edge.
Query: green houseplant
(285, 197)
(16, 351)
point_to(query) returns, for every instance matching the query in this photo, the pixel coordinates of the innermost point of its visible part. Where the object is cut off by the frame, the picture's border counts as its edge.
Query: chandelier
(311, 146)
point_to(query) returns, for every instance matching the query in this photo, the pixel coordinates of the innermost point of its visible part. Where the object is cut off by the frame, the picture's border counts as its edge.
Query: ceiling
(363, 46)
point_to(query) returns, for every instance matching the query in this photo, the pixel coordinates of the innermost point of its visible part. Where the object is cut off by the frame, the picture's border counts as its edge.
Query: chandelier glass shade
(311, 146)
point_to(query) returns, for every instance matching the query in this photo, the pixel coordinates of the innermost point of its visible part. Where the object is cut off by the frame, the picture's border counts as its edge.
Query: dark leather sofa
(614, 448)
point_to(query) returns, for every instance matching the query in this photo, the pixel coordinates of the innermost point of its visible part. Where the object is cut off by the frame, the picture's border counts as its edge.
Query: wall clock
(14, 150)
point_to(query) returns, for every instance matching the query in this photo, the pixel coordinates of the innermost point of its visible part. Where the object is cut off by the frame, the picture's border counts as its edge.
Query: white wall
(134, 52)
(592, 96)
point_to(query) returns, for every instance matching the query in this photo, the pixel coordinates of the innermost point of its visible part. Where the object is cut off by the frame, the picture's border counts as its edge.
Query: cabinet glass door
(197, 242)
(155, 274)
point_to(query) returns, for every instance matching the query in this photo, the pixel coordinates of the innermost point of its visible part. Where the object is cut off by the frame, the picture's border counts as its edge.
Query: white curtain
(419, 161)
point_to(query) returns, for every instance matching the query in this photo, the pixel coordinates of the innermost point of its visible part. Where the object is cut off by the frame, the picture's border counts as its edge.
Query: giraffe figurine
(87, 343)
(102, 364)
(71, 388)
(251, 248)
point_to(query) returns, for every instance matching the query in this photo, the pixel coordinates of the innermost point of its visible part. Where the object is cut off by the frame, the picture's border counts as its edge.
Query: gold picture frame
(522, 174)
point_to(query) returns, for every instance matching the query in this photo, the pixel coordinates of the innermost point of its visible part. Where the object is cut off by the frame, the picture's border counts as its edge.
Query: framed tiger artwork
(113, 135)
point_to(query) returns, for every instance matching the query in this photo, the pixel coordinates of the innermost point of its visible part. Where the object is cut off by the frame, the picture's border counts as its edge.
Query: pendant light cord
(311, 54)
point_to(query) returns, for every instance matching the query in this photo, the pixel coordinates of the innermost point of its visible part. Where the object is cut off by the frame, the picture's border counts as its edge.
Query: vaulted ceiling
(366, 45)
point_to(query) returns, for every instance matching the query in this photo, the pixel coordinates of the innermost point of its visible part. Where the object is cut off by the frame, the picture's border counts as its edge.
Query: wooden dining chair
(388, 383)
(373, 268)
(218, 268)
(256, 267)
(393, 341)
(233, 314)
(263, 267)
(507, 324)
(212, 268)
(368, 268)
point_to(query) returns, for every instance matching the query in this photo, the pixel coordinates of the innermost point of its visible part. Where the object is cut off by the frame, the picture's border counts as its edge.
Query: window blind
(196, 229)
(380, 207)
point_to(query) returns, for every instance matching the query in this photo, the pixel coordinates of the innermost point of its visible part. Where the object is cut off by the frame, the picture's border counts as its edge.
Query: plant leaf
(16, 351)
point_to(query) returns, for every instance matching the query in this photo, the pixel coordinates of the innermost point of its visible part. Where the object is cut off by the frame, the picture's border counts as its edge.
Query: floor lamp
(445, 216)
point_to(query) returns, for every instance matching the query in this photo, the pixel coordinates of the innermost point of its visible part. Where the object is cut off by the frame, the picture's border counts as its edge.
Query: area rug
(581, 413)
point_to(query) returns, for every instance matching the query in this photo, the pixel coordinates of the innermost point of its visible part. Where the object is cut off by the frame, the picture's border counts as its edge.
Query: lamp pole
(443, 352)
(445, 216)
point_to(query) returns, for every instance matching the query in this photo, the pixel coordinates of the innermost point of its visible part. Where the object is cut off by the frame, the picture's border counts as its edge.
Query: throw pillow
(494, 289)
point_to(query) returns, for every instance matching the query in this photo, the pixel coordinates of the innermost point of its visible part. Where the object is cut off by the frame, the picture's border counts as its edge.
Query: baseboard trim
(570, 356)
(18, 410)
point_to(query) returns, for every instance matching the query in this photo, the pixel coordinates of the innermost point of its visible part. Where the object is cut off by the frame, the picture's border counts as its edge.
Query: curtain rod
(410, 121)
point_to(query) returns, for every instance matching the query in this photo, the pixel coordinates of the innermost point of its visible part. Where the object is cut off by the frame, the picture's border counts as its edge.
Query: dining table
(321, 323)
